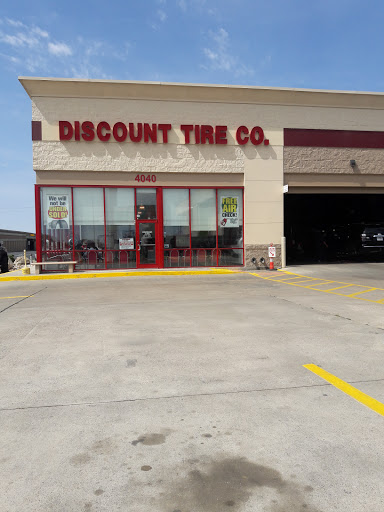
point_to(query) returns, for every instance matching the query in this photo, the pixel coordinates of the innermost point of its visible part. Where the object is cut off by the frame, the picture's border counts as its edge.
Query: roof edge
(216, 93)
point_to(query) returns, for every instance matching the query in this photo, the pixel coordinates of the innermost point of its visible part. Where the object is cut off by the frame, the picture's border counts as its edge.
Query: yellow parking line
(340, 287)
(312, 283)
(287, 278)
(307, 280)
(355, 393)
(381, 301)
(300, 279)
(363, 291)
(317, 284)
(10, 272)
(16, 297)
(274, 277)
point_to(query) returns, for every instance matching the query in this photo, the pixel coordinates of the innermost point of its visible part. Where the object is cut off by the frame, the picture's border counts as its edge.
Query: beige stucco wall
(166, 179)
(333, 161)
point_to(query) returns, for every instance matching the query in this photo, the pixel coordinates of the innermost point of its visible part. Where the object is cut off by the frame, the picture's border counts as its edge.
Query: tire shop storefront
(140, 174)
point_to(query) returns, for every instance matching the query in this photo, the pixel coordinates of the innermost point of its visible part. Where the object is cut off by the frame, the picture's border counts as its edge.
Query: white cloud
(219, 56)
(19, 39)
(10, 58)
(14, 23)
(162, 15)
(59, 49)
(39, 32)
(32, 49)
(182, 4)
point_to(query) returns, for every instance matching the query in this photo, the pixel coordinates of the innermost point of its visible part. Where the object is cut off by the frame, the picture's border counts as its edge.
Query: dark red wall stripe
(36, 130)
(333, 138)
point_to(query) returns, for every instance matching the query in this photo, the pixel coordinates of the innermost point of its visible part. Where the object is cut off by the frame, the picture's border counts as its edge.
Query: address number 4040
(141, 178)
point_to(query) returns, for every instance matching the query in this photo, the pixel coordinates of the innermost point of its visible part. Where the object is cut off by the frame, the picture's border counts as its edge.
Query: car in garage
(372, 239)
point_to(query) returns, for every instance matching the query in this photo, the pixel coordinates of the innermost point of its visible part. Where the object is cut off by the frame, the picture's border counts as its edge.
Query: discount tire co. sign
(151, 132)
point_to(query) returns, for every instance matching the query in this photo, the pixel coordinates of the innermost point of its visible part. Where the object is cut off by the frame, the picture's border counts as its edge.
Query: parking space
(189, 393)
(367, 293)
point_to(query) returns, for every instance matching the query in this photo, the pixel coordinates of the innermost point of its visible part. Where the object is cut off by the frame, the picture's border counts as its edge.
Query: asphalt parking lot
(188, 394)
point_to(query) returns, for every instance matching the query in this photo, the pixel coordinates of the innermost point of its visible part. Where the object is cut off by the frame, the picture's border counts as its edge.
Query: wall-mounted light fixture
(352, 163)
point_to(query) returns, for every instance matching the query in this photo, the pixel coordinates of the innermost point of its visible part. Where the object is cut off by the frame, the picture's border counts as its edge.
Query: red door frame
(159, 237)
(138, 250)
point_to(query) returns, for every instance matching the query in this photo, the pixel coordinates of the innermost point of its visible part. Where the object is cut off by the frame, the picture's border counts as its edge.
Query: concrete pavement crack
(327, 313)
(21, 300)
(171, 397)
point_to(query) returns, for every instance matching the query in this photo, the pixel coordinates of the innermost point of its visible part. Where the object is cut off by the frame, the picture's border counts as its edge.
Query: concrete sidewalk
(17, 275)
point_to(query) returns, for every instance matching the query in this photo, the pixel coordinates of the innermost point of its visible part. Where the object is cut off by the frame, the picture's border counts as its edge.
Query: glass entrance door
(147, 253)
(148, 240)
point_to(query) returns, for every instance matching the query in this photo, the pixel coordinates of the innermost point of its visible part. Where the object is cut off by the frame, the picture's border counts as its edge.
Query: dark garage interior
(334, 227)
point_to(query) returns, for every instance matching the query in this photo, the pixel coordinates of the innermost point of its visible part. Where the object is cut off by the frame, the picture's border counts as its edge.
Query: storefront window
(201, 227)
(230, 217)
(203, 218)
(56, 223)
(230, 257)
(146, 203)
(88, 205)
(176, 227)
(120, 227)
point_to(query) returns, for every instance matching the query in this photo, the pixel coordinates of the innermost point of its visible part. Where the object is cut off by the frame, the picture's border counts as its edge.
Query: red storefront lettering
(221, 135)
(148, 132)
(239, 132)
(124, 132)
(164, 128)
(186, 128)
(65, 130)
(106, 135)
(88, 130)
(260, 135)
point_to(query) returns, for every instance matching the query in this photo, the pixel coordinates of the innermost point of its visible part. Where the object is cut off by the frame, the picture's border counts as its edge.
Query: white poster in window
(57, 211)
(229, 212)
(126, 243)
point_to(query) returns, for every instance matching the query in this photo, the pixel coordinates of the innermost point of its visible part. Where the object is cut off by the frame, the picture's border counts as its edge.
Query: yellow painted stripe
(311, 283)
(363, 291)
(355, 393)
(274, 277)
(340, 287)
(322, 281)
(339, 282)
(311, 286)
(306, 280)
(16, 297)
(43, 277)
(9, 272)
(294, 278)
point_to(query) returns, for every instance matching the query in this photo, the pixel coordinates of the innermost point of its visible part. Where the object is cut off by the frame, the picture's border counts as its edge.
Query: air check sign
(229, 212)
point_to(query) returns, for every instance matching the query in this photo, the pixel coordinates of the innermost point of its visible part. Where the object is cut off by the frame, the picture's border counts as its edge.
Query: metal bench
(71, 265)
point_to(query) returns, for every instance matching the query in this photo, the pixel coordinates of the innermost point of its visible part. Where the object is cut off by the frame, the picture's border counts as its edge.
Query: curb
(119, 274)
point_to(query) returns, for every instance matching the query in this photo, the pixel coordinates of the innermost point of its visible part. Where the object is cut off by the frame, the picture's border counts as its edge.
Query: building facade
(17, 241)
(138, 174)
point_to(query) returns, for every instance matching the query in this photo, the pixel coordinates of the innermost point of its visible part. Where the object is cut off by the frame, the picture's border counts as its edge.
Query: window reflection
(145, 203)
(203, 218)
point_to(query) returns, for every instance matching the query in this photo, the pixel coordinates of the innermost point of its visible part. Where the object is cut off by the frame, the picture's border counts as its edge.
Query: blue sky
(330, 44)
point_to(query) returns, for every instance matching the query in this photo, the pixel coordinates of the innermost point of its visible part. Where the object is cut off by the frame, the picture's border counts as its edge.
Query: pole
(25, 270)
(283, 252)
